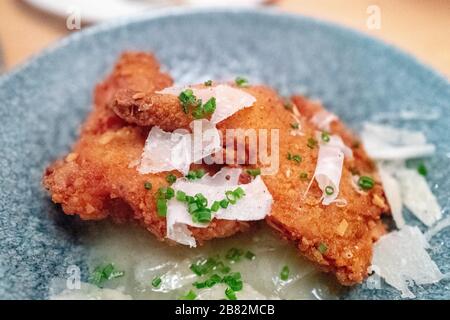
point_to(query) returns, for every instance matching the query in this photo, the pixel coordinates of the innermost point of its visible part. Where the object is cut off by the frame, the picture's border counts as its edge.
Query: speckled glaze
(43, 102)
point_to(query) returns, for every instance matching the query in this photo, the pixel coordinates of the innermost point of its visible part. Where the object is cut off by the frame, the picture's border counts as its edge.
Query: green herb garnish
(156, 282)
(230, 294)
(295, 125)
(422, 169)
(234, 254)
(254, 172)
(208, 283)
(171, 178)
(195, 174)
(148, 185)
(208, 83)
(329, 190)
(322, 248)
(233, 281)
(312, 143)
(325, 137)
(303, 176)
(284, 274)
(187, 100)
(191, 295)
(366, 183)
(250, 255)
(103, 273)
(241, 82)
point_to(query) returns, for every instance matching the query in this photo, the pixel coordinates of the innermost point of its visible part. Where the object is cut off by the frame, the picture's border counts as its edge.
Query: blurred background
(421, 27)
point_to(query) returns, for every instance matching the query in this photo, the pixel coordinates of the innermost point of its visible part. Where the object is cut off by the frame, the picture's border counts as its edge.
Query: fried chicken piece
(136, 71)
(338, 239)
(95, 180)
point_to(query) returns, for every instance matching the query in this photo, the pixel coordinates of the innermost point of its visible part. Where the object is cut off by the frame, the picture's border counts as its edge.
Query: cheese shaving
(323, 119)
(229, 100)
(165, 151)
(400, 259)
(255, 205)
(387, 143)
(417, 196)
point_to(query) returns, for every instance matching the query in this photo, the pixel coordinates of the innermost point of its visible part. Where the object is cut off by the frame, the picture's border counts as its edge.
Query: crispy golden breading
(134, 71)
(95, 180)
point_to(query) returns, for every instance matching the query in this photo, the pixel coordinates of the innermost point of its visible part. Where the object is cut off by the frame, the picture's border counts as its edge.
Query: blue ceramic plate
(44, 101)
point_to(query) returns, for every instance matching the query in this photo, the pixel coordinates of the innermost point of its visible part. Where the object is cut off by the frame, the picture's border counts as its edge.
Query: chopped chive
(202, 216)
(231, 197)
(103, 273)
(329, 190)
(215, 206)
(171, 178)
(297, 158)
(322, 248)
(303, 176)
(254, 172)
(195, 174)
(208, 283)
(231, 295)
(234, 254)
(311, 143)
(161, 206)
(233, 281)
(210, 105)
(284, 274)
(422, 169)
(250, 255)
(224, 203)
(366, 183)
(181, 196)
(241, 82)
(208, 83)
(191, 295)
(239, 193)
(294, 157)
(156, 282)
(187, 100)
(325, 137)
(148, 185)
(204, 266)
(295, 125)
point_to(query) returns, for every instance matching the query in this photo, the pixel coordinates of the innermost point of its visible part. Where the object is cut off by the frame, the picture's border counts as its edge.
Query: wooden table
(421, 27)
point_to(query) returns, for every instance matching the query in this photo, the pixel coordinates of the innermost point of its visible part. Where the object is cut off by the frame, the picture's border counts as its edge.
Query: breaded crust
(96, 181)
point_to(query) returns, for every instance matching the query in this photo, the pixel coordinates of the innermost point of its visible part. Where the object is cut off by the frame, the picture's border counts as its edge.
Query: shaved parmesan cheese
(393, 195)
(417, 196)
(336, 142)
(255, 205)
(400, 258)
(328, 172)
(229, 100)
(323, 119)
(387, 143)
(165, 151)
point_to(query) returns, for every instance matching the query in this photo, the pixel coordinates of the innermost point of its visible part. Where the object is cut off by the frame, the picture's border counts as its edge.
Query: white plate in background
(100, 10)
